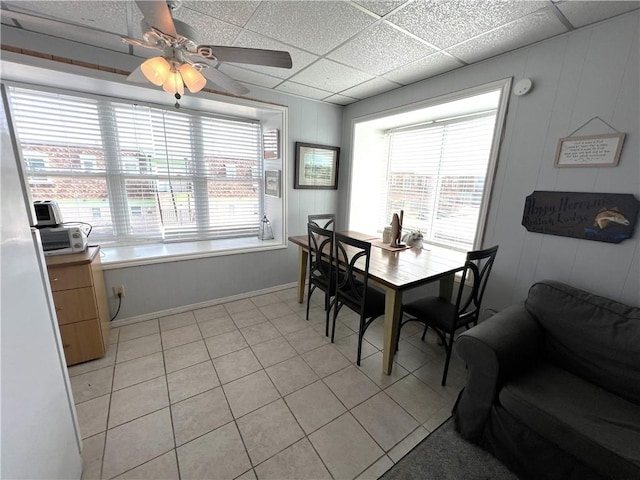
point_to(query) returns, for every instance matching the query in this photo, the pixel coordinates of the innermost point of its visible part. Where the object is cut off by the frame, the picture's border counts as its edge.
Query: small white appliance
(63, 239)
(47, 213)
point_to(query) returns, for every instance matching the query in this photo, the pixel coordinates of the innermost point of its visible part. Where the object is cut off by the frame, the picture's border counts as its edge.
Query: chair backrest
(351, 284)
(320, 254)
(478, 266)
(323, 220)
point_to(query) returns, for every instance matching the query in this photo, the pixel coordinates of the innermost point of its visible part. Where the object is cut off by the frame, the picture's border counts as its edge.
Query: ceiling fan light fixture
(192, 78)
(156, 70)
(173, 84)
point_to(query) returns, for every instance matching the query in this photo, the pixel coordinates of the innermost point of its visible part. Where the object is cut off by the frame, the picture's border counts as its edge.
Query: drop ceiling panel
(432, 65)
(330, 76)
(235, 12)
(317, 27)
(340, 99)
(210, 31)
(248, 76)
(447, 22)
(299, 58)
(581, 13)
(379, 49)
(105, 15)
(303, 90)
(370, 88)
(380, 7)
(531, 29)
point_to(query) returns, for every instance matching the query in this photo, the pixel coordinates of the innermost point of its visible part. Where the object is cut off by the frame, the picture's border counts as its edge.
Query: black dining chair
(445, 317)
(323, 220)
(320, 266)
(352, 286)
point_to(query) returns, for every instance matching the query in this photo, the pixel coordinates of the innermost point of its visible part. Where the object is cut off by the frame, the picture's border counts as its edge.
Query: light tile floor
(249, 389)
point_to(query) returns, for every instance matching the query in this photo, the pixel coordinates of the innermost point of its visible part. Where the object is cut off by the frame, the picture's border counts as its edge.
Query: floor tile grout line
(263, 368)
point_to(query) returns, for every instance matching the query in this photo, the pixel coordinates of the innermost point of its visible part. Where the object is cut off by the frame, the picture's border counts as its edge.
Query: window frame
(265, 114)
(378, 118)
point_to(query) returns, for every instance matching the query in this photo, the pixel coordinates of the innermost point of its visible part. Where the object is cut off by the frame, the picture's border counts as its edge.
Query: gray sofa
(553, 386)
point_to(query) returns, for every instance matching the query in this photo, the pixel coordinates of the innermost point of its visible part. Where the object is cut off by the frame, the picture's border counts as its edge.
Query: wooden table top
(406, 268)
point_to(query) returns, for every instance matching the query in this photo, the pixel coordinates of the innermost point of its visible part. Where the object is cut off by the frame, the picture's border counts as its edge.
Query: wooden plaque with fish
(603, 217)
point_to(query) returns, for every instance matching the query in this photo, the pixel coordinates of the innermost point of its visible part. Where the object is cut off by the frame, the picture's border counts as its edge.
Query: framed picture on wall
(271, 144)
(316, 166)
(272, 183)
(589, 151)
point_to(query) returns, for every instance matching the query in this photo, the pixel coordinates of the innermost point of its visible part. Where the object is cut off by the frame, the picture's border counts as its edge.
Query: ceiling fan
(175, 67)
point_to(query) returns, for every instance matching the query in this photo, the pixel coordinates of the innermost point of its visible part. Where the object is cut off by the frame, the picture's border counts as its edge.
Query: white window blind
(139, 173)
(436, 174)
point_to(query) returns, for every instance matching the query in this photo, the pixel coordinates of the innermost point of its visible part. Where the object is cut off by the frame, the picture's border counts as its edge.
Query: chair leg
(426, 327)
(360, 336)
(308, 300)
(335, 315)
(449, 348)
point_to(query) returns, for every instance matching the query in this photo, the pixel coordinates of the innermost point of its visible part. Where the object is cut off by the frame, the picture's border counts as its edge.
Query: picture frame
(316, 166)
(271, 144)
(272, 183)
(589, 151)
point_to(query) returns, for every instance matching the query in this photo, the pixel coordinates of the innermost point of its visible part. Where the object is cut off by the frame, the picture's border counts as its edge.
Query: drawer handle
(54, 279)
(59, 309)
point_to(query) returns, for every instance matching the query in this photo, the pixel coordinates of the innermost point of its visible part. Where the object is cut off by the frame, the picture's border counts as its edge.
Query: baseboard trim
(209, 303)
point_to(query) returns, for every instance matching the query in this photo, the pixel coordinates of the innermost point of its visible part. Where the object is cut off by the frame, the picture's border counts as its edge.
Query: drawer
(82, 341)
(65, 278)
(75, 305)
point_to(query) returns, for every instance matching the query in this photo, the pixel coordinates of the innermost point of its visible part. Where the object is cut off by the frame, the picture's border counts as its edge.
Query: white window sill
(147, 254)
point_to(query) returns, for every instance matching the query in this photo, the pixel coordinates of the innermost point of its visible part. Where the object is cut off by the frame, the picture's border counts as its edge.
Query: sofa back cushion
(593, 337)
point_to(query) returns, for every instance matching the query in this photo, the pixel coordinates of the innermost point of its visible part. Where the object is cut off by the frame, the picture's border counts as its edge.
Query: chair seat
(436, 311)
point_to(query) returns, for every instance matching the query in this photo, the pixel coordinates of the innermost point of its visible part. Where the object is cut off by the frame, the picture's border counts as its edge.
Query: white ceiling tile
(330, 76)
(247, 76)
(525, 31)
(446, 22)
(370, 88)
(380, 7)
(380, 48)
(425, 67)
(310, 25)
(231, 11)
(209, 30)
(105, 15)
(581, 13)
(340, 100)
(303, 90)
(299, 58)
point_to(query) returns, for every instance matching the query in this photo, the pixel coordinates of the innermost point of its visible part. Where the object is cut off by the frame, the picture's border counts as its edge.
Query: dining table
(394, 271)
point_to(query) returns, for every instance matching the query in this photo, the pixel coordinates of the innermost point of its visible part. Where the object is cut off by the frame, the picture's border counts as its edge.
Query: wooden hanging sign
(603, 217)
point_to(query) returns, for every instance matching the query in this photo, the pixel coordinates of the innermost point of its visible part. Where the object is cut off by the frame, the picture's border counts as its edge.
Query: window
(140, 173)
(431, 162)
(36, 162)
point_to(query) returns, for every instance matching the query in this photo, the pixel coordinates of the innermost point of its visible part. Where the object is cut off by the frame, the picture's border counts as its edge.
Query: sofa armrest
(494, 351)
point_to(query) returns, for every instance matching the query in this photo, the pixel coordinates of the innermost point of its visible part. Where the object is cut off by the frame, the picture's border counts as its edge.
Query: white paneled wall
(590, 72)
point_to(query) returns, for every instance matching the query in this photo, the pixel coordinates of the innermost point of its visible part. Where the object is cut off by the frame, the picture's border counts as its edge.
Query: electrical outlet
(118, 290)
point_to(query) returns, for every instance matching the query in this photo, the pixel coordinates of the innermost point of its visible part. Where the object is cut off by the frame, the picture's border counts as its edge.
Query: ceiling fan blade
(157, 15)
(253, 56)
(224, 81)
(137, 76)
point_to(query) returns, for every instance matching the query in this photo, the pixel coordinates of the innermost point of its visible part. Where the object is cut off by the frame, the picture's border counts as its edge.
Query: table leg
(303, 256)
(446, 287)
(392, 309)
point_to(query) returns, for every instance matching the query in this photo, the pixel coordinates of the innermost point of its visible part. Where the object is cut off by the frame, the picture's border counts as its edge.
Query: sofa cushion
(593, 337)
(598, 428)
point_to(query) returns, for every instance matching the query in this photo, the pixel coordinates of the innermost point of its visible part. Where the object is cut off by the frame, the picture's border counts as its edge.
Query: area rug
(446, 455)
